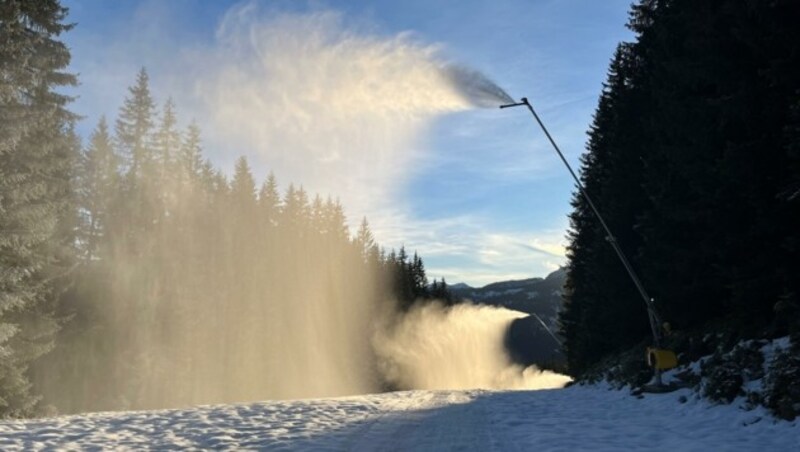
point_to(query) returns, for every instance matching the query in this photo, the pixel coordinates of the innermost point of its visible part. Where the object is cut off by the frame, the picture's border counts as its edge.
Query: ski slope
(576, 418)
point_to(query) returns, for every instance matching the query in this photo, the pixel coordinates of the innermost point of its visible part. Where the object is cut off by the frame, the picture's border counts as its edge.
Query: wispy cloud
(469, 248)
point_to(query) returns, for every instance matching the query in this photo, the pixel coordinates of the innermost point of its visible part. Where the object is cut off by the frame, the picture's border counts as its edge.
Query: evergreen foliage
(97, 184)
(692, 160)
(410, 282)
(37, 152)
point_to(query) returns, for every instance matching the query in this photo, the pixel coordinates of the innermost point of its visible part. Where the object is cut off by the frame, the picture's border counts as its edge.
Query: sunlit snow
(576, 418)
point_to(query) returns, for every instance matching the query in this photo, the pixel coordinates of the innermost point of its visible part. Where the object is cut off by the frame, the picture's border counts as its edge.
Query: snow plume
(475, 86)
(460, 347)
(336, 109)
(331, 104)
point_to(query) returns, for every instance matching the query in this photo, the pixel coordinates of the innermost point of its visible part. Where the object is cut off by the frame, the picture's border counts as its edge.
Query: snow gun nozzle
(523, 101)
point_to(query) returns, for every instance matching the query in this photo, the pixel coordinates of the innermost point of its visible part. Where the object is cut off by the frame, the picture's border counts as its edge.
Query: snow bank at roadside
(747, 374)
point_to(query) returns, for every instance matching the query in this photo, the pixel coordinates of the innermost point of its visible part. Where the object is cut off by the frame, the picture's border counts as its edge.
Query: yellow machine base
(661, 359)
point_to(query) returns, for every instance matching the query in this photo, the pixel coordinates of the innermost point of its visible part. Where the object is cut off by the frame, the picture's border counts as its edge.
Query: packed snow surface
(576, 418)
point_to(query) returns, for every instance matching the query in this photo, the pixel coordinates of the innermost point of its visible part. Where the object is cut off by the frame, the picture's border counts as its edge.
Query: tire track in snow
(427, 420)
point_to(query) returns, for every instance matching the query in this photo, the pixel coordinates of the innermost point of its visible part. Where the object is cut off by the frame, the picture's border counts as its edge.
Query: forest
(693, 158)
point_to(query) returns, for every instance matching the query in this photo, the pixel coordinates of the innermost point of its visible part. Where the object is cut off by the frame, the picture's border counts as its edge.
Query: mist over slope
(533, 339)
(456, 347)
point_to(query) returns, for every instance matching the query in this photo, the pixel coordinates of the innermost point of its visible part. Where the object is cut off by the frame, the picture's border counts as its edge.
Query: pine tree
(365, 242)
(167, 144)
(243, 186)
(599, 292)
(336, 221)
(37, 149)
(292, 209)
(138, 205)
(318, 219)
(168, 138)
(98, 185)
(440, 292)
(418, 277)
(134, 127)
(269, 201)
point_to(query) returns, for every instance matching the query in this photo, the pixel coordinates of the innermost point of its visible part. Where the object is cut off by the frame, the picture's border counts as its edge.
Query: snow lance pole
(655, 321)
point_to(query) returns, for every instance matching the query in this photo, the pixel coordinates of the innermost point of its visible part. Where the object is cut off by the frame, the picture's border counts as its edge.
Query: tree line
(693, 160)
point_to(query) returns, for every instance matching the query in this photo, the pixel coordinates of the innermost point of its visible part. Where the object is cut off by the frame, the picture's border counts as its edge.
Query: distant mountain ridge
(540, 296)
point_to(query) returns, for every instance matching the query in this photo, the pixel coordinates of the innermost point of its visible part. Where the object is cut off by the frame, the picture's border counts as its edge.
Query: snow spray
(457, 347)
(329, 104)
(339, 110)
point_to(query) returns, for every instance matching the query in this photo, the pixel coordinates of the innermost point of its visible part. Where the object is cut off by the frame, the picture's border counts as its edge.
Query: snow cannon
(658, 358)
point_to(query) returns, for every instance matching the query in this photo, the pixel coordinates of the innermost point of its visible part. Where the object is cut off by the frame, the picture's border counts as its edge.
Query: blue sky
(480, 194)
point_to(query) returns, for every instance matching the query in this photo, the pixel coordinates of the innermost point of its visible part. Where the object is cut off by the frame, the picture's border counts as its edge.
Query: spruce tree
(599, 292)
(138, 202)
(134, 127)
(167, 137)
(190, 157)
(243, 186)
(318, 219)
(37, 149)
(167, 144)
(418, 277)
(269, 201)
(365, 241)
(336, 221)
(98, 184)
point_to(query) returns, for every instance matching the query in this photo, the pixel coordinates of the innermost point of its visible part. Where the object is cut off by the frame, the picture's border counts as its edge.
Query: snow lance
(658, 358)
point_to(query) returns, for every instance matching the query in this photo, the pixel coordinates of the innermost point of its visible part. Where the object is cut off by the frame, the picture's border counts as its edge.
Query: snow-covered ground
(576, 418)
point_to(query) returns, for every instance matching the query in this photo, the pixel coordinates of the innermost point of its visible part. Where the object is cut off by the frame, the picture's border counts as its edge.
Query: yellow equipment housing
(661, 359)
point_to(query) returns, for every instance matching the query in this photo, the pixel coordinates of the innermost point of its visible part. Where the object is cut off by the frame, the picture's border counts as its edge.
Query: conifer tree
(37, 149)
(291, 211)
(167, 138)
(336, 221)
(138, 205)
(167, 144)
(134, 127)
(190, 157)
(598, 289)
(97, 188)
(318, 219)
(418, 277)
(365, 241)
(243, 186)
(269, 201)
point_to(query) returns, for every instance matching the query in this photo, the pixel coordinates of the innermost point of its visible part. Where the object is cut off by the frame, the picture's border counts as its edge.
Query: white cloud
(468, 248)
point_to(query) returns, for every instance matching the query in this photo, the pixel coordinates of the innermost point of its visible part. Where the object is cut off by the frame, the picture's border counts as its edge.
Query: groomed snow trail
(576, 418)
